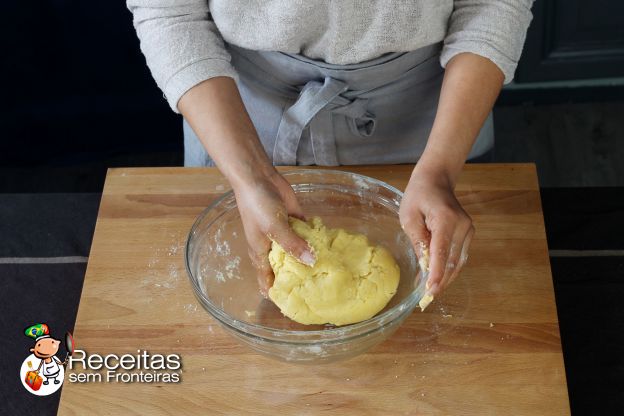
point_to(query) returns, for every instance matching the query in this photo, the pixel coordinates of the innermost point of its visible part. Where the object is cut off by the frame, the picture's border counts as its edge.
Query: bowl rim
(325, 335)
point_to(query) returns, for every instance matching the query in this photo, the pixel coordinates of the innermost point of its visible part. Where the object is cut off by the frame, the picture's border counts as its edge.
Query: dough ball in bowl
(351, 281)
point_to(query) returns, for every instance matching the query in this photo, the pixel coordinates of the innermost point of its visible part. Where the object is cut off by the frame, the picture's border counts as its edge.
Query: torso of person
(337, 32)
(339, 82)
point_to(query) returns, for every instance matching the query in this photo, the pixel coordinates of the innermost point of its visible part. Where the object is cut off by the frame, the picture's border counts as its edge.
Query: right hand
(264, 203)
(216, 112)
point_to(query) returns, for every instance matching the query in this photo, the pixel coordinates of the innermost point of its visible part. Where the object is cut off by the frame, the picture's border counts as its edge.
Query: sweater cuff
(483, 49)
(193, 74)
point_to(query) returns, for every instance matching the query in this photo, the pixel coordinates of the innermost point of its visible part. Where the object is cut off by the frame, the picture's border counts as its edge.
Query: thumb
(293, 244)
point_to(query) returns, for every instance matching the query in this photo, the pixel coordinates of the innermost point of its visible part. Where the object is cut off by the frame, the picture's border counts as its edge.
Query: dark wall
(76, 90)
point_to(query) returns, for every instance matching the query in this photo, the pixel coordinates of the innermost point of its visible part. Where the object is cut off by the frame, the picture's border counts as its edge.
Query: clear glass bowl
(225, 283)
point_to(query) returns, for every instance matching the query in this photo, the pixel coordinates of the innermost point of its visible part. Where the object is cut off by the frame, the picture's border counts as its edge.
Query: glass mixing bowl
(225, 282)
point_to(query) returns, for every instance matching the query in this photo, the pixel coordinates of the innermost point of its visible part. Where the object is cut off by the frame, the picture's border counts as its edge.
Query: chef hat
(38, 331)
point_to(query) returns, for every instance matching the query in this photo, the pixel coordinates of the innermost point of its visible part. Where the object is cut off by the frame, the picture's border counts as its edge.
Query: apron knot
(361, 122)
(314, 108)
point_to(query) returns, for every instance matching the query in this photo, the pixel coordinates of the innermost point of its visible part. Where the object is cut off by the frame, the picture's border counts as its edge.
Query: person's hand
(265, 202)
(433, 219)
(216, 113)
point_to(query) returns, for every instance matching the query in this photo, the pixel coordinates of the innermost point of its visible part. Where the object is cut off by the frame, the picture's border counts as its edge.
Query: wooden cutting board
(489, 346)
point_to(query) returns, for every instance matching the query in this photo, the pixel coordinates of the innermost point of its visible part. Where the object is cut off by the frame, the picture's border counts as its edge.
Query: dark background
(78, 98)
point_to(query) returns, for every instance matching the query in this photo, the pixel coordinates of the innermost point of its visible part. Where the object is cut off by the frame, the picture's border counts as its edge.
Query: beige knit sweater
(183, 40)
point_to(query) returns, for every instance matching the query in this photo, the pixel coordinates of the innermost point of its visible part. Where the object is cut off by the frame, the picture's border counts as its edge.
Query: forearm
(265, 200)
(216, 112)
(469, 90)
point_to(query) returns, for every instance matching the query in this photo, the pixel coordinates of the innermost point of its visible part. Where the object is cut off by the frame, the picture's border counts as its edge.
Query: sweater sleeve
(181, 45)
(494, 29)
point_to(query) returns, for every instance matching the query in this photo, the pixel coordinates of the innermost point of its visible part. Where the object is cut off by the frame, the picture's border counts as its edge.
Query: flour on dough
(350, 282)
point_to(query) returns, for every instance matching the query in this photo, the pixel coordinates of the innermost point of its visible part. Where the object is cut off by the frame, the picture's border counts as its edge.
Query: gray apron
(309, 112)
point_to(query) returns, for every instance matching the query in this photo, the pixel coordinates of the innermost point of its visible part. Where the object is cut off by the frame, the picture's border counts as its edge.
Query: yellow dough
(350, 282)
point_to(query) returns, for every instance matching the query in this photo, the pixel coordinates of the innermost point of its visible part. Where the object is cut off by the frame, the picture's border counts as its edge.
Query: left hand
(430, 214)
(433, 218)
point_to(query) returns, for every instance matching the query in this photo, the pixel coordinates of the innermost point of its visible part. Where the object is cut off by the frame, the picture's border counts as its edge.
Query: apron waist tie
(316, 104)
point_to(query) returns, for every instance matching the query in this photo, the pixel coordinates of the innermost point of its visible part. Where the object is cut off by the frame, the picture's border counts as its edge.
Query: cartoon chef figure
(45, 349)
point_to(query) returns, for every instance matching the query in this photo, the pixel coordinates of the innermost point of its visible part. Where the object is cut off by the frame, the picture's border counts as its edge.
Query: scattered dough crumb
(447, 316)
(425, 301)
(491, 325)
(250, 313)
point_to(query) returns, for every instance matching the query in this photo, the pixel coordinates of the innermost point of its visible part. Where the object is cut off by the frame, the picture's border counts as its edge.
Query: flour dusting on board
(165, 259)
(190, 308)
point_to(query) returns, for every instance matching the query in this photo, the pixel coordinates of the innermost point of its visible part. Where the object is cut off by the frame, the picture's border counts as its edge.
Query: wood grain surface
(489, 346)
